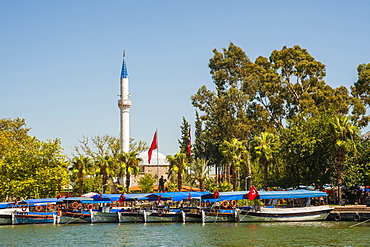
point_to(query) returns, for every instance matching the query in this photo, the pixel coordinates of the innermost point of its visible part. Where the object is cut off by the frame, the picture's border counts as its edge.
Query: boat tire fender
(24, 208)
(357, 217)
(338, 217)
(225, 204)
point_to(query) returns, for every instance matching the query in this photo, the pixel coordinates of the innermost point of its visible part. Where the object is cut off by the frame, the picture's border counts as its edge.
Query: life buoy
(24, 208)
(233, 203)
(225, 204)
(50, 206)
(338, 217)
(89, 207)
(38, 208)
(75, 205)
(357, 217)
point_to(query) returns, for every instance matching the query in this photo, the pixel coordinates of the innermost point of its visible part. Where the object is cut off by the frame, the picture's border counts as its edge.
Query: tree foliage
(284, 94)
(30, 168)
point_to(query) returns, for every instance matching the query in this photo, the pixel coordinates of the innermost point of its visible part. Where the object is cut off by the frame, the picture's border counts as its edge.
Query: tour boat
(74, 210)
(33, 217)
(298, 205)
(7, 209)
(36, 211)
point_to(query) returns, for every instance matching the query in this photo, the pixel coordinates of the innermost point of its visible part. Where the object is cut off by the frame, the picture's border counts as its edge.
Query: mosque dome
(153, 162)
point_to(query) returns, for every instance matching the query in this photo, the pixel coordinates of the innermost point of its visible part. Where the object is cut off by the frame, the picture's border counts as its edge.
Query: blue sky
(60, 61)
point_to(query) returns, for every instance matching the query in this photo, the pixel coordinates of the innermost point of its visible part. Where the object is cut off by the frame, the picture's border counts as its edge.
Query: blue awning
(238, 195)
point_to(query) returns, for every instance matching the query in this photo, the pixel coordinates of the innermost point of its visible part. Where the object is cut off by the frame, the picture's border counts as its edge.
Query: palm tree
(121, 170)
(146, 183)
(131, 161)
(80, 168)
(265, 146)
(199, 171)
(178, 164)
(232, 152)
(106, 168)
(344, 137)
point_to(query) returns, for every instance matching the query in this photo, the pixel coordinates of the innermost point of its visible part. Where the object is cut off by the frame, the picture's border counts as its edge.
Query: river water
(324, 233)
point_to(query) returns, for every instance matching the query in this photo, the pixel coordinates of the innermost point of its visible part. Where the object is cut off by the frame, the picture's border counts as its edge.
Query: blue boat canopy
(238, 195)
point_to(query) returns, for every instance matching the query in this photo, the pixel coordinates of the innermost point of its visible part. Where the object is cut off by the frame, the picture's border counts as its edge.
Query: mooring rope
(360, 223)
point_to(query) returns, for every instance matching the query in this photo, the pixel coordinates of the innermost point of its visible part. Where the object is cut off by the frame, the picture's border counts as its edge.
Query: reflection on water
(170, 234)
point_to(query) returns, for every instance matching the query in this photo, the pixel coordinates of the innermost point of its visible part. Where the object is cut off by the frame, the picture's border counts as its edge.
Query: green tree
(80, 168)
(13, 132)
(183, 141)
(131, 161)
(306, 147)
(100, 146)
(35, 169)
(224, 111)
(146, 183)
(232, 152)
(344, 136)
(199, 170)
(361, 93)
(178, 165)
(106, 169)
(265, 147)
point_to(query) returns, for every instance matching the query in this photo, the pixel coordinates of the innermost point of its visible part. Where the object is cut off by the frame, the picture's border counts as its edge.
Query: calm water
(177, 234)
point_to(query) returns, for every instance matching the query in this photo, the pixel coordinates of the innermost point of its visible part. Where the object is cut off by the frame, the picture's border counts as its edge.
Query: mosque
(158, 164)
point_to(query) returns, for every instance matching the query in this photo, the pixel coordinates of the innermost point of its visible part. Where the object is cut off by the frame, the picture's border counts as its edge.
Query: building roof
(162, 160)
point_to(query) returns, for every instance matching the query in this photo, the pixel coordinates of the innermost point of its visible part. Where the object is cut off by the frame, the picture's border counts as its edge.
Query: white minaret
(124, 104)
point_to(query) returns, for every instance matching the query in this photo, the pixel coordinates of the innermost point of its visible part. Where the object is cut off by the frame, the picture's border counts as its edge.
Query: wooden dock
(349, 213)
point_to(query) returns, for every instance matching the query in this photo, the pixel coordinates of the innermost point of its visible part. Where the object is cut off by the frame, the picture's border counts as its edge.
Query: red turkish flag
(252, 194)
(189, 145)
(216, 194)
(122, 198)
(152, 147)
(159, 198)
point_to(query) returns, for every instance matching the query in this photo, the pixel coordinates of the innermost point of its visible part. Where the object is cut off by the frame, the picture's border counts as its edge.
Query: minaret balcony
(124, 103)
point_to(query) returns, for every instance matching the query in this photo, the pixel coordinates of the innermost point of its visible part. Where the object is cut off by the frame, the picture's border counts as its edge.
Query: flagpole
(157, 163)
(188, 152)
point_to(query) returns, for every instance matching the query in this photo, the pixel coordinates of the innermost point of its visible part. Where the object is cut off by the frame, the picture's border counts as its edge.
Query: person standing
(162, 181)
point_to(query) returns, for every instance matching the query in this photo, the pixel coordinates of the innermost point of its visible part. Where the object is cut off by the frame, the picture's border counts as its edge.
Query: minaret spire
(124, 104)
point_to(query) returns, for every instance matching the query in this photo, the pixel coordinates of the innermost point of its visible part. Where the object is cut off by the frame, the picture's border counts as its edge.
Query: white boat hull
(5, 219)
(314, 213)
(155, 216)
(70, 217)
(131, 217)
(101, 217)
(213, 217)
